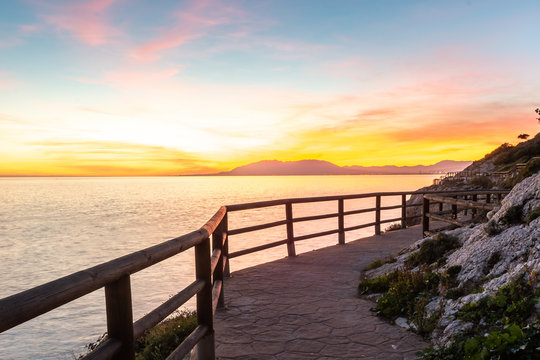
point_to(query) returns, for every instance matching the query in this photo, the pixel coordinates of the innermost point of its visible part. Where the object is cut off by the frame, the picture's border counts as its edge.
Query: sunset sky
(140, 87)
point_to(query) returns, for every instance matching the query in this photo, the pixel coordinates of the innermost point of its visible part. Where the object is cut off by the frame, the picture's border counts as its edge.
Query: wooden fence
(459, 202)
(211, 262)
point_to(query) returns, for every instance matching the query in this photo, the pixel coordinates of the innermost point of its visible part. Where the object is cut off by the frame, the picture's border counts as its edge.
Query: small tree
(523, 136)
(538, 113)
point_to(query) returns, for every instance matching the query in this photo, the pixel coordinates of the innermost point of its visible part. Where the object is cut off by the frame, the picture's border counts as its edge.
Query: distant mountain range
(319, 167)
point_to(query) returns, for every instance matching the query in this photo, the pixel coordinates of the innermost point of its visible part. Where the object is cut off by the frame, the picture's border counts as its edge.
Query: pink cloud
(85, 20)
(191, 23)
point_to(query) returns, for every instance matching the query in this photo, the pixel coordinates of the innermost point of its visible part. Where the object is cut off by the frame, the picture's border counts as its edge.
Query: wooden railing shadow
(211, 263)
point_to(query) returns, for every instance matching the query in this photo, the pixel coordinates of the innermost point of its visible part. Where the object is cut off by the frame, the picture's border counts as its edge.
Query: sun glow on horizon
(106, 88)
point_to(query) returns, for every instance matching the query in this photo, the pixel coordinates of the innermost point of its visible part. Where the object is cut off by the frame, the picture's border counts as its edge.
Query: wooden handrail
(212, 265)
(453, 200)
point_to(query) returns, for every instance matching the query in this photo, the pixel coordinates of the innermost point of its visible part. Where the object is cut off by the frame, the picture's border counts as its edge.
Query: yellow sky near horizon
(98, 88)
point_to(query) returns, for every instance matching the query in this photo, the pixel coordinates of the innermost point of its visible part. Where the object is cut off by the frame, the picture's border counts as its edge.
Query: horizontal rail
(361, 226)
(261, 204)
(314, 235)
(390, 220)
(26, 305)
(360, 211)
(315, 217)
(105, 351)
(391, 207)
(168, 307)
(447, 220)
(256, 248)
(189, 343)
(466, 203)
(214, 259)
(257, 227)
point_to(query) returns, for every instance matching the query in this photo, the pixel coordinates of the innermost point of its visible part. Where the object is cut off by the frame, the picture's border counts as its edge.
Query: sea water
(52, 227)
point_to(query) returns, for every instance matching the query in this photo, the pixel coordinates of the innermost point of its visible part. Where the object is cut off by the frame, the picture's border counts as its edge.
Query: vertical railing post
(378, 215)
(205, 347)
(403, 211)
(217, 243)
(225, 222)
(473, 211)
(341, 222)
(488, 198)
(120, 316)
(425, 218)
(499, 197)
(291, 251)
(454, 210)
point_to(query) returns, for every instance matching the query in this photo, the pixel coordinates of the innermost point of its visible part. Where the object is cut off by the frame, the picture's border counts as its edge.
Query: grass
(379, 262)
(432, 250)
(160, 341)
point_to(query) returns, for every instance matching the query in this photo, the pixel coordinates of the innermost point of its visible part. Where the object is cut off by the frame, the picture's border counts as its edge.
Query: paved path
(307, 307)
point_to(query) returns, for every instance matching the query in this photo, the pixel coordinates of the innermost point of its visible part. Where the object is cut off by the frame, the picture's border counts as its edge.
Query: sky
(141, 87)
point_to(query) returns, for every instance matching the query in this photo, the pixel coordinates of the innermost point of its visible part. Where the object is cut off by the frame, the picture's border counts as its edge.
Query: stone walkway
(307, 307)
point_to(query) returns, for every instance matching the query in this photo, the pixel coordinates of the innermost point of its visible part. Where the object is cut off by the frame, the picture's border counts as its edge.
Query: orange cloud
(103, 158)
(85, 20)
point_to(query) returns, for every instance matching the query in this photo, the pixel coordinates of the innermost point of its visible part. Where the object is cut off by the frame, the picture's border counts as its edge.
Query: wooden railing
(459, 202)
(211, 267)
(114, 276)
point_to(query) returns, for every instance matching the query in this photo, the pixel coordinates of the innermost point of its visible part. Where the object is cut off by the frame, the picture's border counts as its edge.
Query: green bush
(513, 303)
(492, 228)
(499, 327)
(482, 181)
(513, 215)
(432, 250)
(161, 340)
(379, 284)
(533, 215)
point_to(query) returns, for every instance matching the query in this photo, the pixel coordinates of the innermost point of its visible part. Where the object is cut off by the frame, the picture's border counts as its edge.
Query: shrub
(404, 291)
(513, 215)
(513, 303)
(379, 284)
(492, 228)
(483, 181)
(499, 327)
(433, 249)
(161, 340)
(533, 215)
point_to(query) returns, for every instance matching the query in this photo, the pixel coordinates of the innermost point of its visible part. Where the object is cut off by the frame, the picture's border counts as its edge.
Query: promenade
(307, 307)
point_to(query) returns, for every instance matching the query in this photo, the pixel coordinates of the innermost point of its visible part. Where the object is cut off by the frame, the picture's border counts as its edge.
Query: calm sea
(51, 227)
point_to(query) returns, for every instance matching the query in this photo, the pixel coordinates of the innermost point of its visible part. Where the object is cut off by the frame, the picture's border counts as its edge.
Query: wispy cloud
(192, 22)
(108, 158)
(85, 20)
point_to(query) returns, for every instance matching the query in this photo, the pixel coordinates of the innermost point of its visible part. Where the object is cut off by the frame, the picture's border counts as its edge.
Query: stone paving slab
(307, 307)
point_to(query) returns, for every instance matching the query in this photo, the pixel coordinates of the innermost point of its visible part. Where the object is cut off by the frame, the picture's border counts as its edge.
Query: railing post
(378, 215)
(225, 250)
(425, 218)
(341, 222)
(120, 316)
(473, 211)
(488, 198)
(291, 252)
(205, 347)
(454, 210)
(403, 211)
(217, 243)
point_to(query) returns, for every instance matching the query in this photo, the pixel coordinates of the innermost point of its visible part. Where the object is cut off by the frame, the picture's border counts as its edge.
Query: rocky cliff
(487, 268)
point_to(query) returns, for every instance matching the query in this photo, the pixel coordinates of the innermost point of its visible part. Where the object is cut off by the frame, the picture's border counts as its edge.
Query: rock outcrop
(490, 256)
